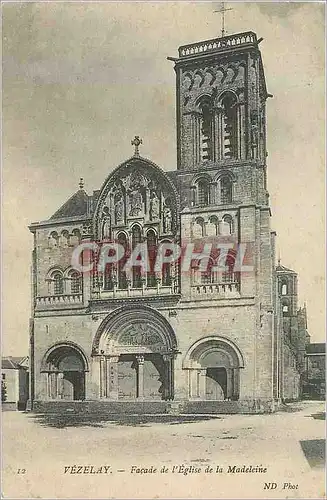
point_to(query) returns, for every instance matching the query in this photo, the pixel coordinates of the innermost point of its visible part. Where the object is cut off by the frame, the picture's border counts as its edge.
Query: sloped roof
(76, 205)
(284, 269)
(316, 348)
(14, 362)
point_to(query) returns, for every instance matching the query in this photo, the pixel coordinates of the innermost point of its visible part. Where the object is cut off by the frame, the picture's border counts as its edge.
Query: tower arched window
(206, 145)
(58, 283)
(285, 307)
(203, 192)
(226, 190)
(229, 126)
(284, 289)
(136, 273)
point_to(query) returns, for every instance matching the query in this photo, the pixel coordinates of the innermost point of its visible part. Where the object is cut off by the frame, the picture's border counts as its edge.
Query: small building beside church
(222, 337)
(314, 380)
(14, 382)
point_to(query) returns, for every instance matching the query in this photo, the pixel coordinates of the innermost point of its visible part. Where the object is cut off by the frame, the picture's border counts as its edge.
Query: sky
(81, 79)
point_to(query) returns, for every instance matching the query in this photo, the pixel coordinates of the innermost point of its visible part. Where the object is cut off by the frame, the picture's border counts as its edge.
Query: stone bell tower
(221, 95)
(221, 172)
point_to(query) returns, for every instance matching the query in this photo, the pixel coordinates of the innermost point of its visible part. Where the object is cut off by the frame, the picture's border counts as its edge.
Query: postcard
(163, 239)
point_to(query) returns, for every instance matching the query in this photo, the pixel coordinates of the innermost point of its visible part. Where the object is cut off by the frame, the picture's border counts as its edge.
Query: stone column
(202, 383)
(112, 377)
(213, 193)
(102, 377)
(239, 132)
(140, 377)
(216, 132)
(47, 383)
(60, 385)
(180, 376)
(195, 124)
(194, 383)
(220, 133)
(236, 388)
(169, 376)
(53, 385)
(143, 281)
(158, 283)
(229, 388)
(107, 371)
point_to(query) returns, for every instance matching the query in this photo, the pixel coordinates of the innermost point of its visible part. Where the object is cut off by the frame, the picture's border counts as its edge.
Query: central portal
(136, 349)
(142, 377)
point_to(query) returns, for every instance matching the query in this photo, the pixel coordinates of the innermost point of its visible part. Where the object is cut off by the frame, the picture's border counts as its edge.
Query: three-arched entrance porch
(135, 347)
(64, 366)
(213, 365)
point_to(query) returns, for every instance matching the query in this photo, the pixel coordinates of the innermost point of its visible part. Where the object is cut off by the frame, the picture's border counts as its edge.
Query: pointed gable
(283, 269)
(75, 206)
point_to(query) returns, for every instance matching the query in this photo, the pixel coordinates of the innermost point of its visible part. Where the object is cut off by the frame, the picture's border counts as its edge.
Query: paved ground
(39, 455)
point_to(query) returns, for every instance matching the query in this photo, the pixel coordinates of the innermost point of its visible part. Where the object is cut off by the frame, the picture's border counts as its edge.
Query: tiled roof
(76, 205)
(284, 269)
(12, 362)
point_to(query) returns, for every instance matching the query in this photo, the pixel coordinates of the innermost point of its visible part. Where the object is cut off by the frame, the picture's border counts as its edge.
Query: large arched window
(58, 283)
(210, 275)
(152, 252)
(75, 282)
(136, 273)
(206, 146)
(229, 126)
(228, 275)
(122, 278)
(203, 191)
(166, 274)
(226, 225)
(284, 289)
(226, 190)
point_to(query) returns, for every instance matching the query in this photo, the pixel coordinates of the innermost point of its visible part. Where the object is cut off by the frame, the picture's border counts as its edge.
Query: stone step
(137, 407)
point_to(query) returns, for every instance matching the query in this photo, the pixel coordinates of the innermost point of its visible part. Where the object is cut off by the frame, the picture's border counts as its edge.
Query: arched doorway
(214, 369)
(136, 348)
(65, 366)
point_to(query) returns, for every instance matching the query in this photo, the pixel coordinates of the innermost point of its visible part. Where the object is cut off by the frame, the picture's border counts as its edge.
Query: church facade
(209, 323)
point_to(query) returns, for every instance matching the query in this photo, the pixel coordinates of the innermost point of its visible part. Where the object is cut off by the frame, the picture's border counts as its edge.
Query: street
(228, 456)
